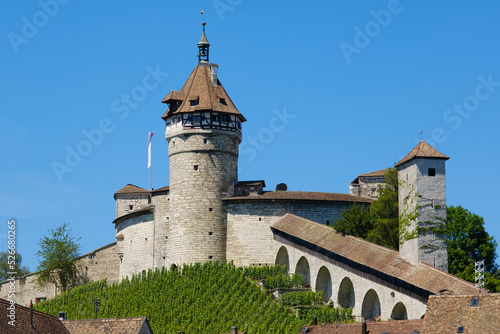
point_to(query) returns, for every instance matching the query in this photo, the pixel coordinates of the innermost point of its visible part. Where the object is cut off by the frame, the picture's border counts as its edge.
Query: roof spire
(203, 45)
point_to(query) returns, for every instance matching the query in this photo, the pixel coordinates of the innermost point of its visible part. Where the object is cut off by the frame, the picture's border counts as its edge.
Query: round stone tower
(203, 130)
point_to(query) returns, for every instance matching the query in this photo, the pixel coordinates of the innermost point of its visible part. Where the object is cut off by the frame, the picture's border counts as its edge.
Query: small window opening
(328, 222)
(131, 207)
(210, 233)
(432, 172)
(168, 218)
(210, 209)
(210, 257)
(223, 101)
(205, 141)
(260, 219)
(195, 167)
(474, 302)
(193, 102)
(460, 329)
(146, 239)
(92, 256)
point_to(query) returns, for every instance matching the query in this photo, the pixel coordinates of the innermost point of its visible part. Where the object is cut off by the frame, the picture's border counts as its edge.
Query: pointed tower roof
(130, 189)
(200, 88)
(422, 150)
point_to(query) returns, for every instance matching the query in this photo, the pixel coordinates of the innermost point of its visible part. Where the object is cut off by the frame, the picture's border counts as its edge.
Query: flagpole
(150, 135)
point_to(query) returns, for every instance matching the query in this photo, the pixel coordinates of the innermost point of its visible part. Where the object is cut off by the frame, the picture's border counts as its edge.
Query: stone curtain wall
(162, 224)
(249, 236)
(203, 170)
(96, 265)
(136, 245)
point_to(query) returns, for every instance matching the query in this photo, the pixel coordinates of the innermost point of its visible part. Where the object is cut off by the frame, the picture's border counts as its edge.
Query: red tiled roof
(380, 172)
(446, 313)
(131, 189)
(301, 195)
(422, 150)
(199, 87)
(373, 327)
(42, 322)
(107, 326)
(159, 190)
(381, 259)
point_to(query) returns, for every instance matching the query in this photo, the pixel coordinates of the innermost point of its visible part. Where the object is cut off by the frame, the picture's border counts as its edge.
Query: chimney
(31, 314)
(234, 330)
(62, 315)
(213, 73)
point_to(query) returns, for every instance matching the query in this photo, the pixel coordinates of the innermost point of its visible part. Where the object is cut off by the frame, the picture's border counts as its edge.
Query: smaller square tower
(422, 205)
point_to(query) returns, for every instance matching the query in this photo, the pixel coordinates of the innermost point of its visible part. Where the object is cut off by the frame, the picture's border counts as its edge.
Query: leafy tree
(379, 222)
(355, 221)
(57, 258)
(468, 241)
(384, 212)
(5, 267)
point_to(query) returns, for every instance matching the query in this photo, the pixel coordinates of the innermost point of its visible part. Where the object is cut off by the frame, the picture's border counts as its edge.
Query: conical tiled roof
(423, 150)
(209, 97)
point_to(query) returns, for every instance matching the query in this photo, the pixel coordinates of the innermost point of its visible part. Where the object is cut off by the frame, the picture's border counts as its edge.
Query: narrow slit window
(195, 167)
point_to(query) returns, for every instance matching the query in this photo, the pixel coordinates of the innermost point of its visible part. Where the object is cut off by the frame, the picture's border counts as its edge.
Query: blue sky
(330, 90)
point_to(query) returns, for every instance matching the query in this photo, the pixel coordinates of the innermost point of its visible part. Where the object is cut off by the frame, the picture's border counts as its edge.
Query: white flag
(149, 149)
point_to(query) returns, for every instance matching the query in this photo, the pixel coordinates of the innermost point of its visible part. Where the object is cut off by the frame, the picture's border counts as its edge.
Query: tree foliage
(57, 255)
(468, 241)
(5, 267)
(355, 221)
(377, 223)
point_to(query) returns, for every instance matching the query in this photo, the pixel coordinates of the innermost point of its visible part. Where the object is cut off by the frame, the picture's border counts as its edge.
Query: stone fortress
(207, 214)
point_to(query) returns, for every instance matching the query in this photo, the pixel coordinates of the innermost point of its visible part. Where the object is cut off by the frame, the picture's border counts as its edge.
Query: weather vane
(203, 13)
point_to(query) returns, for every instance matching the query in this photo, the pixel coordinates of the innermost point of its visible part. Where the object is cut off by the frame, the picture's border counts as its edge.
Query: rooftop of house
(108, 326)
(364, 254)
(372, 327)
(42, 322)
(422, 150)
(377, 174)
(300, 195)
(446, 313)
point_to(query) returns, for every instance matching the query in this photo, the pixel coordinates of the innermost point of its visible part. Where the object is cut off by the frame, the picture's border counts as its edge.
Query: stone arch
(399, 312)
(302, 268)
(324, 283)
(346, 293)
(282, 258)
(371, 305)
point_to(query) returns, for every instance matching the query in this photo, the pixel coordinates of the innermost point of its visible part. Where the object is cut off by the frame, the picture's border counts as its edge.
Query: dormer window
(223, 101)
(194, 102)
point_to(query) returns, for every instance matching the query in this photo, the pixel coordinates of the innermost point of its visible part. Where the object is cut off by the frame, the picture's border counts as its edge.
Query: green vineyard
(199, 298)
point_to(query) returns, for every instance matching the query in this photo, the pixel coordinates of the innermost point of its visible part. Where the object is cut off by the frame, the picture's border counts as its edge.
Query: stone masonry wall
(124, 202)
(136, 245)
(428, 196)
(203, 170)
(98, 264)
(162, 224)
(249, 236)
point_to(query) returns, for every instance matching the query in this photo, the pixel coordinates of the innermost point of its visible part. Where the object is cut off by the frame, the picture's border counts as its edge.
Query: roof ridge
(446, 273)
